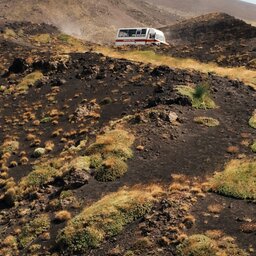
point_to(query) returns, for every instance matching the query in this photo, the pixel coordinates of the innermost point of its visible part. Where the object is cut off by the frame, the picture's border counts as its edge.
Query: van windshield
(132, 32)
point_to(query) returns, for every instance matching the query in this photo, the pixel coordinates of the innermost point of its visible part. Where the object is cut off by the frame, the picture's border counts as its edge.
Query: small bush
(237, 180)
(105, 218)
(33, 229)
(199, 96)
(207, 121)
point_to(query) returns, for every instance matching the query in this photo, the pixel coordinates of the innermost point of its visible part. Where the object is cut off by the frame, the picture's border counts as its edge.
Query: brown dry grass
(245, 75)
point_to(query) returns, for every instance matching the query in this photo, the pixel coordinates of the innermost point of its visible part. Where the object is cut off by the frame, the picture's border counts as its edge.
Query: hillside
(108, 156)
(97, 22)
(239, 9)
(216, 37)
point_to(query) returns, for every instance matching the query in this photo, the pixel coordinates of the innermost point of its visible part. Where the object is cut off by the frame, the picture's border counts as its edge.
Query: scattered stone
(140, 148)
(172, 117)
(38, 152)
(164, 241)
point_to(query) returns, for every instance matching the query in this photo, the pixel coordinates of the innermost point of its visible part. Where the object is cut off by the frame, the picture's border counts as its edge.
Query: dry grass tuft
(233, 149)
(62, 216)
(241, 73)
(215, 208)
(207, 121)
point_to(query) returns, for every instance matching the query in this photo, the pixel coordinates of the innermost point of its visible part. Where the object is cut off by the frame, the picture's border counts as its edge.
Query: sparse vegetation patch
(207, 121)
(46, 172)
(237, 180)
(199, 95)
(42, 38)
(202, 245)
(29, 80)
(106, 218)
(33, 229)
(109, 153)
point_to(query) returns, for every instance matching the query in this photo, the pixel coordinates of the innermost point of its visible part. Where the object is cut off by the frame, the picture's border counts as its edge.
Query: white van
(140, 36)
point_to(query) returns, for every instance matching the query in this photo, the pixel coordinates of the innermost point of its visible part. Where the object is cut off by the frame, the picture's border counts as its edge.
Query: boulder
(75, 179)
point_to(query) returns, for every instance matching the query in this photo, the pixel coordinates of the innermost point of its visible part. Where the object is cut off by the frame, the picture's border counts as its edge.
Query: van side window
(123, 33)
(143, 32)
(132, 32)
(152, 35)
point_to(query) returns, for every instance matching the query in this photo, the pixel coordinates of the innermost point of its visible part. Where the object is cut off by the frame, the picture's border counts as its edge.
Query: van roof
(137, 28)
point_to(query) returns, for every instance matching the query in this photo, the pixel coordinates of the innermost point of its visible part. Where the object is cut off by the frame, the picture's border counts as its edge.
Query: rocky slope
(55, 166)
(97, 22)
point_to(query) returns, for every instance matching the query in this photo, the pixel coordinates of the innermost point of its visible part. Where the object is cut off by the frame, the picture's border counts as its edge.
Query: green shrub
(201, 90)
(105, 218)
(237, 180)
(199, 95)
